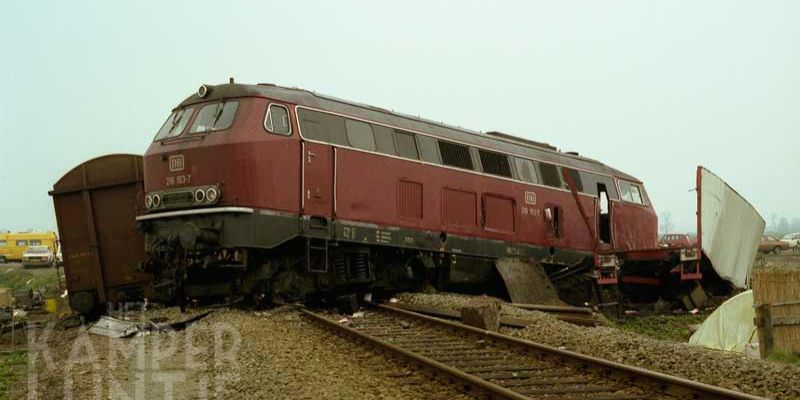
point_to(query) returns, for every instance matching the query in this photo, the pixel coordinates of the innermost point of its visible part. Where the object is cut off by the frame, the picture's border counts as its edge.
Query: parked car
(771, 244)
(37, 256)
(793, 239)
(676, 240)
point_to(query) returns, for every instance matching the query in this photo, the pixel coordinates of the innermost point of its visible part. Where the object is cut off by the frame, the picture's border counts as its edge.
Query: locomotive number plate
(179, 180)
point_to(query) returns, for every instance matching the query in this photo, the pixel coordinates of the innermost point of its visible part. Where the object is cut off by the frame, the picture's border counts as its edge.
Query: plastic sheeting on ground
(730, 327)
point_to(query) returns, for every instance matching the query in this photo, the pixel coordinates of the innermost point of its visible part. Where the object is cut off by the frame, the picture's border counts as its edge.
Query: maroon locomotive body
(260, 189)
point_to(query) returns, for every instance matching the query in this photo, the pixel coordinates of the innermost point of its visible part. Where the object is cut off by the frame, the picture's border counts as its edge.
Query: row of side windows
(343, 131)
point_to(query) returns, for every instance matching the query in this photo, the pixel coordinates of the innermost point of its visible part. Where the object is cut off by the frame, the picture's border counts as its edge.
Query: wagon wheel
(777, 250)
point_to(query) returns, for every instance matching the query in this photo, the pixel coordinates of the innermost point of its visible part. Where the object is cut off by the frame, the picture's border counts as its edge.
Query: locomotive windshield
(175, 124)
(214, 117)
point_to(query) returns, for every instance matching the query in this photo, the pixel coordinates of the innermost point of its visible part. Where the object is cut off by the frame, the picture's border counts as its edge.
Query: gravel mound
(456, 301)
(724, 369)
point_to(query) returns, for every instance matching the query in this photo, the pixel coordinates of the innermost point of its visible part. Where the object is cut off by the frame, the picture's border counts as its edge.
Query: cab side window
(625, 191)
(277, 120)
(632, 193)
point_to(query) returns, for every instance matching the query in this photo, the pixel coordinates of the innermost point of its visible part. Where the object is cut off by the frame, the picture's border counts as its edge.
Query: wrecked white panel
(731, 229)
(114, 328)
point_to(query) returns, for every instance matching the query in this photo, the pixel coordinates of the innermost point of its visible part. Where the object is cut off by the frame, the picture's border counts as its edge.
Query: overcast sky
(653, 88)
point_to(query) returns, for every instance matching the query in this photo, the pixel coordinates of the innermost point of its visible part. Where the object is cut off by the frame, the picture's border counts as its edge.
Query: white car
(37, 256)
(793, 239)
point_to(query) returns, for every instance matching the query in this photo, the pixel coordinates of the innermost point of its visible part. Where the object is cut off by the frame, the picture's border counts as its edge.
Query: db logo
(176, 163)
(530, 198)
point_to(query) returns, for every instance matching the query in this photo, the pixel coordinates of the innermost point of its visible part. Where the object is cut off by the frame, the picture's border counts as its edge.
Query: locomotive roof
(493, 140)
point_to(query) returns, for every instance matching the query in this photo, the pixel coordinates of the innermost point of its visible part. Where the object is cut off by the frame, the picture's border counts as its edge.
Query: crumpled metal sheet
(114, 328)
(526, 282)
(732, 229)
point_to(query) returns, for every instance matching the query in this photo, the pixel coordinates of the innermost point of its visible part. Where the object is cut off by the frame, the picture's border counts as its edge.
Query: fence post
(764, 323)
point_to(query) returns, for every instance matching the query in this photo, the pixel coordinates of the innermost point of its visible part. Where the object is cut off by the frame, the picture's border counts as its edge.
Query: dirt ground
(787, 259)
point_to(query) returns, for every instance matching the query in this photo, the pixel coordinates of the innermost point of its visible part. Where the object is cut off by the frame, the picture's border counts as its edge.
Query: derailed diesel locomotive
(267, 191)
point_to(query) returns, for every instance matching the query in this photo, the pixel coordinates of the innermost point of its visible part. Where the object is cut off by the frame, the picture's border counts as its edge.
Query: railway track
(496, 366)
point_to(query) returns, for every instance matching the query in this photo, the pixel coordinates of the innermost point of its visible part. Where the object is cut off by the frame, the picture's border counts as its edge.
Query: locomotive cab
(221, 183)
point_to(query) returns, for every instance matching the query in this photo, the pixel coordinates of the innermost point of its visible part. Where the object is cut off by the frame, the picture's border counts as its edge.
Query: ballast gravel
(725, 369)
(229, 354)
(284, 356)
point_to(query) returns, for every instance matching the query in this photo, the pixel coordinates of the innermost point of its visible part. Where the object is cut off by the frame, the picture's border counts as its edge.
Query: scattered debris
(482, 313)
(119, 328)
(114, 328)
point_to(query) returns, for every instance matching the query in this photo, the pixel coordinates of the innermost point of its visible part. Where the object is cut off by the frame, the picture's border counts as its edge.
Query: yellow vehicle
(12, 245)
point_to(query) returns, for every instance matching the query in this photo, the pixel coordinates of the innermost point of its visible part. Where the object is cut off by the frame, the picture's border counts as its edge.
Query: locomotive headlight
(148, 202)
(156, 200)
(199, 196)
(212, 194)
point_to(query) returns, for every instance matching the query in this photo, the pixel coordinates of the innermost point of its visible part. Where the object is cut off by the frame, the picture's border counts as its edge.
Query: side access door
(318, 179)
(604, 217)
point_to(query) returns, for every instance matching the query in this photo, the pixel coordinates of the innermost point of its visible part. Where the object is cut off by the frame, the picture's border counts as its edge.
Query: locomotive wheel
(82, 302)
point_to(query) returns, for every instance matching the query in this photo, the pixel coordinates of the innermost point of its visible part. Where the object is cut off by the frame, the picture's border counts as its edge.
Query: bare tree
(666, 222)
(795, 225)
(783, 226)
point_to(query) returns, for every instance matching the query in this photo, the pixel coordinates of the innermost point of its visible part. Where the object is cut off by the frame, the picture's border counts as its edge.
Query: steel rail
(647, 379)
(467, 379)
